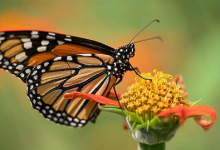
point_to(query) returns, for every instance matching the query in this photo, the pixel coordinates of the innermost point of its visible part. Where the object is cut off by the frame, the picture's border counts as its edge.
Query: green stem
(115, 110)
(160, 146)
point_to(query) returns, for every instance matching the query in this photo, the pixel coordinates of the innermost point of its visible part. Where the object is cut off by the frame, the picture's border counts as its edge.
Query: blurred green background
(191, 47)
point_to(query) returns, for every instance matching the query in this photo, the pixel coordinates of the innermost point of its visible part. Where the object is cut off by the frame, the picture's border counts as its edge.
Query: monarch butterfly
(53, 64)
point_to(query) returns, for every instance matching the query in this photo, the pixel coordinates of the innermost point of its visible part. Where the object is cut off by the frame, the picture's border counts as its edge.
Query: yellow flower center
(152, 96)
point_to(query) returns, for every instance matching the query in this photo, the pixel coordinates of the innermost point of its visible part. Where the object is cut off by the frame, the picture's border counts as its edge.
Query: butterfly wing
(20, 51)
(54, 64)
(49, 81)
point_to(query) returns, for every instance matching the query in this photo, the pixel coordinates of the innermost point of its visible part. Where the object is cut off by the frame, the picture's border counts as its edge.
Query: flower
(150, 97)
(154, 109)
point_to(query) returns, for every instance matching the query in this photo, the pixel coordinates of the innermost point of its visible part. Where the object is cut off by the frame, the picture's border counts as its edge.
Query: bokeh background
(191, 47)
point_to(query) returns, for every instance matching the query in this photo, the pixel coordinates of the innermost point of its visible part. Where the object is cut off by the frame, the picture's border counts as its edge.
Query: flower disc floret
(153, 96)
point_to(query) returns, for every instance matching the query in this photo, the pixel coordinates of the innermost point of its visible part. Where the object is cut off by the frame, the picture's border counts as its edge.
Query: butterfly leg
(116, 95)
(136, 68)
(138, 73)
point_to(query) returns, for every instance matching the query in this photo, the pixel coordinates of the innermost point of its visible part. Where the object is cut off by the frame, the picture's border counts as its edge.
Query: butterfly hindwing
(49, 81)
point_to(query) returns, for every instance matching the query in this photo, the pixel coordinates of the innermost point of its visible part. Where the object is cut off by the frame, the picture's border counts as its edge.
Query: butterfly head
(131, 50)
(126, 52)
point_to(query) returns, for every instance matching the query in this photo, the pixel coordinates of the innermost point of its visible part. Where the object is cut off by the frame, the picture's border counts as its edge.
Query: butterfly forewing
(20, 51)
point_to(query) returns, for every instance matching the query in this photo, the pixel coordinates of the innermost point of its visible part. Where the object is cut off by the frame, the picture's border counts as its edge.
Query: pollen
(152, 96)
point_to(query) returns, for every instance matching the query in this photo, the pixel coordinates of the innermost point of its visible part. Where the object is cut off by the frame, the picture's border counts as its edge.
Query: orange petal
(112, 95)
(97, 98)
(179, 80)
(183, 112)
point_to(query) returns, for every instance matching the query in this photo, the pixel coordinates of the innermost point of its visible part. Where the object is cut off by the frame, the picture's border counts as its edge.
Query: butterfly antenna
(153, 38)
(143, 29)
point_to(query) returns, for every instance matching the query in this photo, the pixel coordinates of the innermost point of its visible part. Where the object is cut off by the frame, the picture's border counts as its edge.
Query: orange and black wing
(53, 64)
(20, 51)
(49, 81)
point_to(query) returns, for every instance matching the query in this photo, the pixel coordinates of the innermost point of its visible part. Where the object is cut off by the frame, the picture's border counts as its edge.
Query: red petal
(183, 112)
(179, 80)
(97, 98)
(112, 95)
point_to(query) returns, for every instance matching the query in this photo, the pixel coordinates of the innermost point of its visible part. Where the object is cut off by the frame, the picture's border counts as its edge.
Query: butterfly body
(52, 65)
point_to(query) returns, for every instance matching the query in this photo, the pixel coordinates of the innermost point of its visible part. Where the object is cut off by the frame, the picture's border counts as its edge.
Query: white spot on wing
(6, 62)
(109, 67)
(22, 75)
(67, 39)
(12, 35)
(46, 64)
(69, 118)
(69, 58)
(21, 56)
(85, 54)
(42, 49)
(80, 125)
(28, 45)
(34, 32)
(73, 124)
(83, 121)
(34, 72)
(30, 81)
(35, 77)
(35, 36)
(51, 33)
(33, 92)
(2, 38)
(31, 87)
(39, 66)
(20, 67)
(76, 119)
(16, 72)
(28, 71)
(25, 39)
(60, 42)
(45, 42)
(57, 58)
(51, 37)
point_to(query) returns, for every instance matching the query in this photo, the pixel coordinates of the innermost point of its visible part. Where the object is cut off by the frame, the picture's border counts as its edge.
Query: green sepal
(161, 124)
(195, 103)
(115, 110)
(134, 117)
(139, 126)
